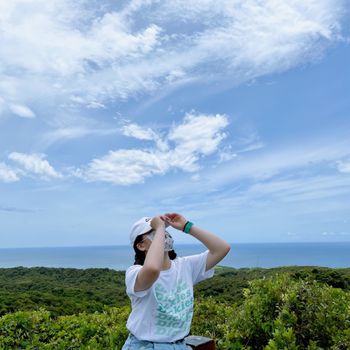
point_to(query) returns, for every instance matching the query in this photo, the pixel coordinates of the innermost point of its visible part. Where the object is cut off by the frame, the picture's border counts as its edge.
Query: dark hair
(141, 255)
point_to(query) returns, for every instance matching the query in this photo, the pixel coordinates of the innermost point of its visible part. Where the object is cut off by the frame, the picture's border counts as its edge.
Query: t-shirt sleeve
(197, 265)
(130, 280)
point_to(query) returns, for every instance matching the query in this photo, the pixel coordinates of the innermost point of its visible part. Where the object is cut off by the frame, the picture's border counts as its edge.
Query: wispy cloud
(303, 189)
(87, 55)
(322, 151)
(7, 174)
(226, 154)
(22, 111)
(135, 130)
(144, 133)
(274, 198)
(74, 132)
(272, 169)
(343, 166)
(35, 164)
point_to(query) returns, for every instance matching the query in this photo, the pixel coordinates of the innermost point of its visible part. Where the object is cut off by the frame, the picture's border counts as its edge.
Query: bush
(283, 313)
(37, 330)
(210, 318)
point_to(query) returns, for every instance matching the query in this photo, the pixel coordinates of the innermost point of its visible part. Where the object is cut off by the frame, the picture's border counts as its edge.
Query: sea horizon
(120, 257)
(177, 244)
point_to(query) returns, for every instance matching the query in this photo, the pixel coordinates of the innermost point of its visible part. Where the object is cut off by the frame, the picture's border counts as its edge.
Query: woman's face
(147, 240)
(145, 243)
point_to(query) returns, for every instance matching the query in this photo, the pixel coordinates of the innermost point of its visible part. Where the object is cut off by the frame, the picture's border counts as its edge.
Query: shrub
(37, 330)
(283, 313)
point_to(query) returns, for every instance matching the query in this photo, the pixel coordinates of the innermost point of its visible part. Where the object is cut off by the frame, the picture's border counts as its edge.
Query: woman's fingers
(164, 217)
(175, 220)
(165, 220)
(167, 217)
(172, 216)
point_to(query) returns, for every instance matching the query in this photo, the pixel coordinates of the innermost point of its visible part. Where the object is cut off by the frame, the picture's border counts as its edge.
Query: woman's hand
(174, 220)
(157, 222)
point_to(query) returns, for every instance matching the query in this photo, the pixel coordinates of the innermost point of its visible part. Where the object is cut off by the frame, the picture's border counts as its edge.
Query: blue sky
(233, 113)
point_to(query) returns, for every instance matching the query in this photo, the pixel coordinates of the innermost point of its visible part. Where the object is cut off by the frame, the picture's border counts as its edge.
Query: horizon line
(178, 244)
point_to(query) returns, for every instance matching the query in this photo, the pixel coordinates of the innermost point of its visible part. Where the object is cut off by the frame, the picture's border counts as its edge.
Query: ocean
(241, 255)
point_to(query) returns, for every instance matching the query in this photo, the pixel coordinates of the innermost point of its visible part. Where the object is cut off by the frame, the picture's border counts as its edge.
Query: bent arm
(218, 248)
(155, 256)
(153, 263)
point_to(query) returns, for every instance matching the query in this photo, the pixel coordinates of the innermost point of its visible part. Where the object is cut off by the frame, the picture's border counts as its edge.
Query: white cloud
(58, 49)
(139, 132)
(125, 167)
(7, 174)
(76, 40)
(198, 135)
(226, 154)
(142, 133)
(88, 102)
(22, 111)
(2, 105)
(70, 33)
(35, 164)
(343, 167)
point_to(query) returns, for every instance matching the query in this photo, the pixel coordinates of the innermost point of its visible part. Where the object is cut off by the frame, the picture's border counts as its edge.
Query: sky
(234, 114)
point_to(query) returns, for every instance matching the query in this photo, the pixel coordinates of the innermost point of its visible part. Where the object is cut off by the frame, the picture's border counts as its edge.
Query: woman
(160, 284)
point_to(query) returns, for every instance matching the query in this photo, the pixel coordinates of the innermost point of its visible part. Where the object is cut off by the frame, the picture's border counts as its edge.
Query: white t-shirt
(163, 312)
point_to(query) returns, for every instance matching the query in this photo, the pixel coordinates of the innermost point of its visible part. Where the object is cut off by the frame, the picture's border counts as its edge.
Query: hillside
(270, 309)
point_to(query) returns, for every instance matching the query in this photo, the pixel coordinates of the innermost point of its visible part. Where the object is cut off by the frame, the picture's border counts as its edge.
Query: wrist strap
(187, 227)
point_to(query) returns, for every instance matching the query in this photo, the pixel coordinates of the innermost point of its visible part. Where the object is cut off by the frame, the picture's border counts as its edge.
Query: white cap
(139, 228)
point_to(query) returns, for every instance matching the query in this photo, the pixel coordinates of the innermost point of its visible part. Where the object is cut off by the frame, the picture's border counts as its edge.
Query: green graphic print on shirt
(175, 309)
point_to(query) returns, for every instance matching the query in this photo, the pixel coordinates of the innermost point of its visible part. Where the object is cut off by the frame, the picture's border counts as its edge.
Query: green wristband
(188, 226)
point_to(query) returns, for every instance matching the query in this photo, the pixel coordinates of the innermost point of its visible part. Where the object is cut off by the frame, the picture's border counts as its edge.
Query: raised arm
(155, 256)
(152, 266)
(218, 248)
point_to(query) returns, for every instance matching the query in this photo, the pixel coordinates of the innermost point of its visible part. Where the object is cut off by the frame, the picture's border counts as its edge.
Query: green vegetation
(279, 312)
(62, 291)
(271, 309)
(38, 330)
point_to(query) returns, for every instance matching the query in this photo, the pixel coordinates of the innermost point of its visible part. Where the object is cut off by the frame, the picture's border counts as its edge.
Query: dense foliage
(67, 291)
(285, 313)
(272, 309)
(38, 330)
(62, 291)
